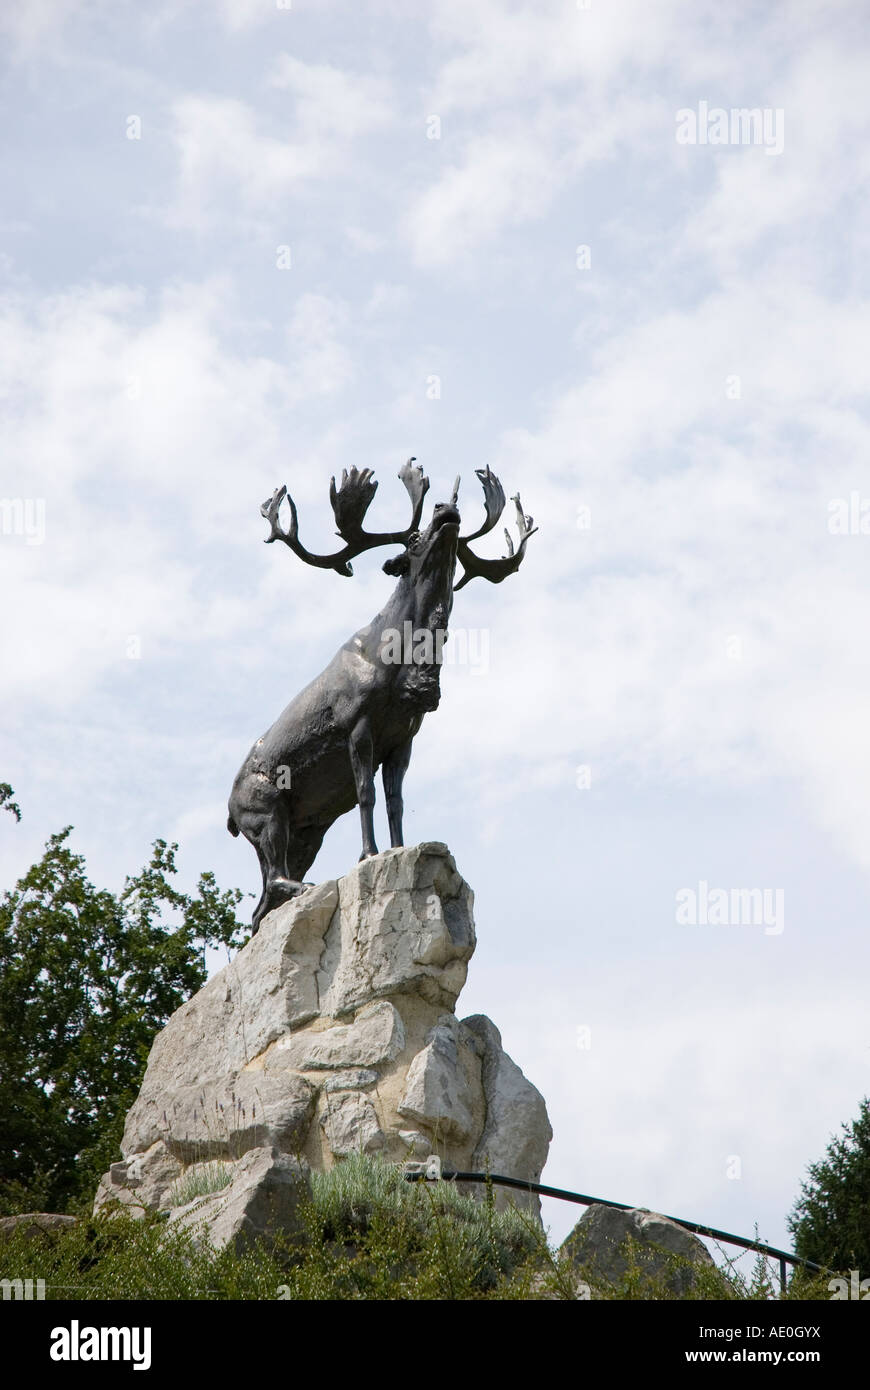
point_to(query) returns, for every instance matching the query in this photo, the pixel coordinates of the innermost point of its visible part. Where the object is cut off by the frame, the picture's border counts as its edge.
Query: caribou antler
(493, 570)
(350, 502)
(493, 500)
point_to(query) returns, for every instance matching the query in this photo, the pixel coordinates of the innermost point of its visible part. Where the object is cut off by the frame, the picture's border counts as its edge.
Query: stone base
(333, 1032)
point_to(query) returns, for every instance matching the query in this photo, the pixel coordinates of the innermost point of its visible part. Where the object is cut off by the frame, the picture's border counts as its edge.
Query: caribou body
(361, 713)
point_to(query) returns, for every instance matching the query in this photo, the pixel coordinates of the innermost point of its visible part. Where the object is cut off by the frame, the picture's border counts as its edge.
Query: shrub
(368, 1234)
(830, 1221)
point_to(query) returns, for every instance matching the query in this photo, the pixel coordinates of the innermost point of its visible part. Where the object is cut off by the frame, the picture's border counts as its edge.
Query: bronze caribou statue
(320, 757)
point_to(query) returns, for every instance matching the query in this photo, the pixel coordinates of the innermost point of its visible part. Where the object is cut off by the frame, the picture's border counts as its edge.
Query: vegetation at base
(830, 1221)
(87, 978)
(367, 1223)
(367, 1234)
(118, 1257)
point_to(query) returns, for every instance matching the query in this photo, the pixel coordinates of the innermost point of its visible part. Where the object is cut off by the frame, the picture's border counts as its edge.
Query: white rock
(437, 1092)
(143, 1181)
(333, 1032)
(416, 1143)
(262, 1199)
(376, 1035)
(404, 921)
(517, 1134)
(356, 1080)
(351, 1125)
(220, 1119)
(268, 989)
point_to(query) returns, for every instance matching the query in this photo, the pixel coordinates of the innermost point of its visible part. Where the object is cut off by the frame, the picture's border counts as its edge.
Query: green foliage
(368, 1234)
(87, 978)
(761, 1285)
(830, 1221)
(652, 1272)
(118, 1257)
(707, 1283)
(368, 1222)
(6, 802)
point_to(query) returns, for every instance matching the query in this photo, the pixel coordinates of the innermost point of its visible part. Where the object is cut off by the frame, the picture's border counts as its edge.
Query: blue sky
(682, 406)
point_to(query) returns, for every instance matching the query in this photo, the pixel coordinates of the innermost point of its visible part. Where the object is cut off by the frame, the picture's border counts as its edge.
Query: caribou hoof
(280, 891)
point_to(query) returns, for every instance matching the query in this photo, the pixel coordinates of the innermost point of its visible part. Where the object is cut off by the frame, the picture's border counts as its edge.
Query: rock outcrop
(333, 1031)
(606, 1240)
(36, 1223)
(262, 1197)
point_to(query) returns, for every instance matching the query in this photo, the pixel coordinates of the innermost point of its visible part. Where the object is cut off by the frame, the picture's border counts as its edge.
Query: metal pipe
(784, 1256)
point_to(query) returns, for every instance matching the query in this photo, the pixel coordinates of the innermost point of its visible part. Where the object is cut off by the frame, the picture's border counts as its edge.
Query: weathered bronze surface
(320, 757)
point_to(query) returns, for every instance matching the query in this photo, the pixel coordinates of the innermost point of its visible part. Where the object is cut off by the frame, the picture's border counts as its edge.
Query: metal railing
(428, 1172)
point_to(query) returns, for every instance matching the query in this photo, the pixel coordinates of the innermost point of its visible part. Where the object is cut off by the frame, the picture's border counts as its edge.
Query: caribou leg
(362, 762)
(260, 908)
(266, 824)
(393, 774)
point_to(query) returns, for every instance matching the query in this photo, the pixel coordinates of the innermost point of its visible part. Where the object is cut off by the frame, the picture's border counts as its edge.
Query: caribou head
(352, 499)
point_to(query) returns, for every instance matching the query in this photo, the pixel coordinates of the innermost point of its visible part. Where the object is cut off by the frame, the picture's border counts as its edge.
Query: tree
(6, 795)
(831, 1218)
(87, 979)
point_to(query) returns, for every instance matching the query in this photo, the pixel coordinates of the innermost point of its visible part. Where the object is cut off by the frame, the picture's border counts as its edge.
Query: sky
(247, 243)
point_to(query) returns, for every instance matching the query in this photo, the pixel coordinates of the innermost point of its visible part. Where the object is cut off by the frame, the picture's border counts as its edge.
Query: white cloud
(224, 154)
(243, 14)
(507, 51)
(500, 179)
(654, 1109)
(330, 102)
(320, 361)
(784, 202)
(36, 27)
(723, 538)
(144, 435)
(230, 157)
(512, 173)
